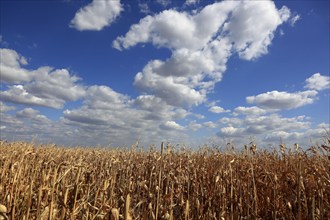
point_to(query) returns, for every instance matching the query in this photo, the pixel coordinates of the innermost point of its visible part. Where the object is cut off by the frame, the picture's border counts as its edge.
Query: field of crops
(51, 182)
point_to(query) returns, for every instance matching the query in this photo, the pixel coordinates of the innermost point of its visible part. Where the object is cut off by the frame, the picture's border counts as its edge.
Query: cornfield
(52, 182)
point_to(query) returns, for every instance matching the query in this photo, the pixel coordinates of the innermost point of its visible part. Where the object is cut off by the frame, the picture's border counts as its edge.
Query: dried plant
(52, 182)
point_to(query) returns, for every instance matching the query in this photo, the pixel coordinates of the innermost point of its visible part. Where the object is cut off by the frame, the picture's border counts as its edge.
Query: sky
(194, 72)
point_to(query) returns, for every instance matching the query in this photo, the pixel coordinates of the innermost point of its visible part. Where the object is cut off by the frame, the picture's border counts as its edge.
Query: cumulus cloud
(118, 125)
(41, 87)
(313, 134)
(169, 88)
(28, 124)
(252, 27)
(277, 122)
(106, 106)
(96, 15)
(11, 126)
(171, 125)
(254, 110)
(194, 126)
(318, 82)
(177, 30)
(230, 131)
(56, 84)
(32, 114)
(201, 43)
(282, 135)
(6, 108)
(231, 121)
(103, 97)
(268, 128)
(210, 124)
(18, 94)
(100, 107)
(156, 109)
(217, 109)
(11, 71)
(27, 112)
(110, 116)
(122, 119)
(283, 100)
(48, 88)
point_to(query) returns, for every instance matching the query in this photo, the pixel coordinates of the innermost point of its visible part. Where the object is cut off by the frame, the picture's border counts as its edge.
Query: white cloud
(318, 82)
(283, 100)
(229, 131)
(186, 77)
(105, 114)
(156, 109)
(164, 3)
(294, 20)
(252, 27)
(324, 126)
(12, 127)
(11, 71)
(210, 124)
(172, 125)
(275, 100)
(276, 122)
(124, 120)
(32, 114)
(117, 126)
(201, 43)
(194, 126)
(96, 15)
(3, 42)
(218, 109)
(47, 88)
(169, 88)
(103, 97)
(192, 2)
(100, 107)
(303, 137)
(254, 110)
(27, 112)
(177, 30)
(57, 84)
(6, 108)
(107, 106)
(144, 8)
(231, 121)
(263, 124)
(27, 124)
(269, 128)
(42, 87)
(282, 136)
(18, 94)
(198, 116)
(251, 32)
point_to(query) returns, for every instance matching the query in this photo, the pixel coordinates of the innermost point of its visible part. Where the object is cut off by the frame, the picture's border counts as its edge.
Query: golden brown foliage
(49, 182)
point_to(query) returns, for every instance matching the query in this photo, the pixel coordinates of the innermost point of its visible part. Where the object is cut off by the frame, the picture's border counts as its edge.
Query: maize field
(54, 182)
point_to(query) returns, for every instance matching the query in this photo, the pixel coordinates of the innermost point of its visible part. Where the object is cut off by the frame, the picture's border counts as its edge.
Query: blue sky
(194, 72)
